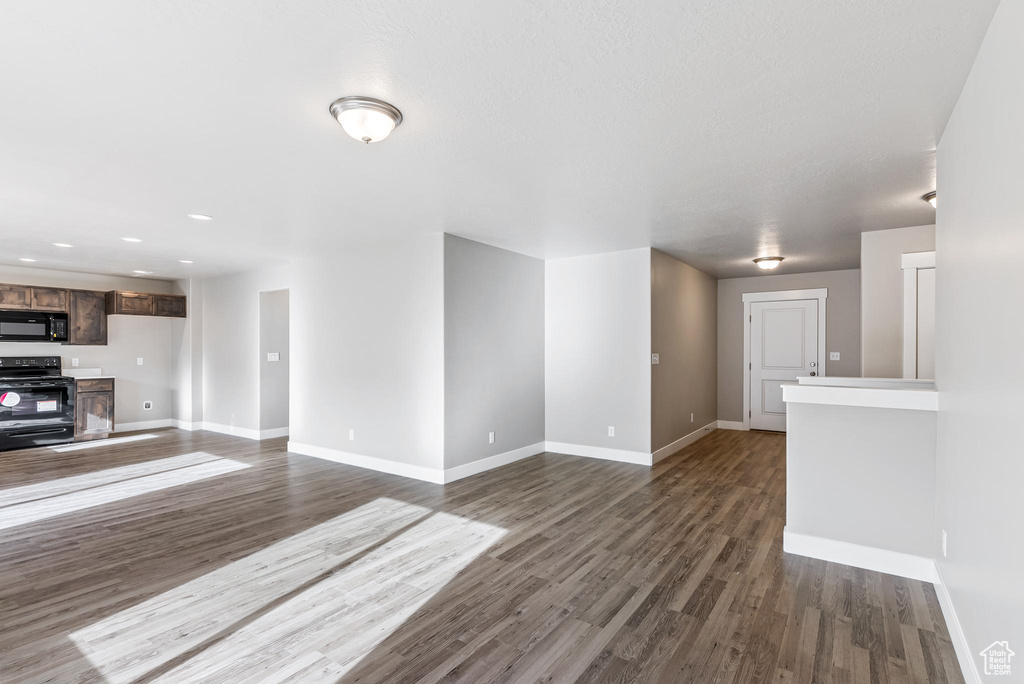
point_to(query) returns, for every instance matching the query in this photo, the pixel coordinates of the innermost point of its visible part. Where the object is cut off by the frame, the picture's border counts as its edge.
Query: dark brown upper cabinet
(15, 297)
(144, 304)
(49, 299)
(33, 298)
(87, 317)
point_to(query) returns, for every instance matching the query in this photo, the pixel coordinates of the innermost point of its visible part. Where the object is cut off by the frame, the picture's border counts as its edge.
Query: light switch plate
(833, 356)
(611, 430)
(655, 359)
(138, 361)
(490, 438)
(273, 356)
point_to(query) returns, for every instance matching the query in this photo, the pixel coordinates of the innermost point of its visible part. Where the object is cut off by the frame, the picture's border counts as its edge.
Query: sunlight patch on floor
(42, 500)
(333, 591)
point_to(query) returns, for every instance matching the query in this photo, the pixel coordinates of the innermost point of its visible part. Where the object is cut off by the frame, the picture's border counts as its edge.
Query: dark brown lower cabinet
(94, 408)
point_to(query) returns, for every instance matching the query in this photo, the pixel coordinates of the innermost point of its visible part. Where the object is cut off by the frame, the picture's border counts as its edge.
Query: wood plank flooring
(196, 557)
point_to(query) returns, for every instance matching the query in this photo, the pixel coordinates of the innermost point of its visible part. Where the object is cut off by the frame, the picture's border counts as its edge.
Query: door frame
(821, 294)
(910, 264)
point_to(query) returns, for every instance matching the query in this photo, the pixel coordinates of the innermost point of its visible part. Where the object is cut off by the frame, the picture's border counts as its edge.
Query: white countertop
(891, 393)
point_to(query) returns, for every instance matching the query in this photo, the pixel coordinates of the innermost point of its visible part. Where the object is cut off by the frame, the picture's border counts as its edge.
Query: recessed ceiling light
(185, 261)
(200, 217)
(131, 239)
(768, 263)
(25, 259)
(930, 198)
(142, 272)
(62, 244)
(366, 119)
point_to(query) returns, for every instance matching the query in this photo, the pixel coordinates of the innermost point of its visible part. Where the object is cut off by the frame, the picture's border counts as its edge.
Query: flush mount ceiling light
(200, 217)
(930, 198)
(142, 272)
(366, 119)
(768, 263)
(185, 261)
(26, 259)
(62, 244)
(131, 239)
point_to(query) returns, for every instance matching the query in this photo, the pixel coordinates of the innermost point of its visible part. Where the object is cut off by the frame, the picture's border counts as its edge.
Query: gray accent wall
(881, 296)
(597, 350)
(493, 350)
(979, 334)
(842, 327)
(684, 333)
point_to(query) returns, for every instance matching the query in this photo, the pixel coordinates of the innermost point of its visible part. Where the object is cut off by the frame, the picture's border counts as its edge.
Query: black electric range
(37, 402)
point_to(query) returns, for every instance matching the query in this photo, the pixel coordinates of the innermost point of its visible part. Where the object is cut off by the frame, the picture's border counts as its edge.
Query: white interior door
(783, 345)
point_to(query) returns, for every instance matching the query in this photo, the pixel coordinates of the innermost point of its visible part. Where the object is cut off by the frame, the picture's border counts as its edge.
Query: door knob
(813, 364)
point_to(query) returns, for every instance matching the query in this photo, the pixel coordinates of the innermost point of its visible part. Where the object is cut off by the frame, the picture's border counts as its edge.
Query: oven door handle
(36, 433)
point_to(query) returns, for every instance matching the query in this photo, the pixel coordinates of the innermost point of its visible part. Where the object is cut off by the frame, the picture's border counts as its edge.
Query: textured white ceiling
(717, 130)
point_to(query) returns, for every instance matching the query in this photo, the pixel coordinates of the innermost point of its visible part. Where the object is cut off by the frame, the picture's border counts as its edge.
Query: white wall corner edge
(968, 668)
(683, 442)
(731, 425)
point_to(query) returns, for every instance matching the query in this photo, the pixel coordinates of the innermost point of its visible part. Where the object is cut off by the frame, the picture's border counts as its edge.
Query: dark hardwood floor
(185, 557)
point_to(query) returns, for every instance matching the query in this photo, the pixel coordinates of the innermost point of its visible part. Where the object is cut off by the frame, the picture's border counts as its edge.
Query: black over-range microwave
(33, 326)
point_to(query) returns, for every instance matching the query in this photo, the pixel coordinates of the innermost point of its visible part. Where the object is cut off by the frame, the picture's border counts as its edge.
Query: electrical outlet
(611, 430)
(833, 356)
(74, 362)
(691, 417)
(655, 359)
(943, 543)
(138, 361)
(490, 438)
(351, 435)
(147, 405)
(273, 356)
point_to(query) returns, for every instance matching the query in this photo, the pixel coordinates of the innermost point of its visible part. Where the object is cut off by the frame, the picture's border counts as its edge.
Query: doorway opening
(274, 360)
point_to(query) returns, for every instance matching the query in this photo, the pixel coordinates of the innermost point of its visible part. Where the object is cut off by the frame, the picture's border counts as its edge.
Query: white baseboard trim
(492, 462)
(731, 425)
(666, 451)
(274, 432)
(233, 430)
(968, 667)
(866, 557)
(145, 425)
(381, 465)
(621, 455)
(187, 425)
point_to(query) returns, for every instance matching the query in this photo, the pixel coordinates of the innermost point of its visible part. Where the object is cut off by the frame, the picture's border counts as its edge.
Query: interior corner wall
(367, 346)
(187, 355)
(842, 327)
(597, 347)
(493, 351)
(881, 296)
(230, 346)
(979, 374)
(684, 333)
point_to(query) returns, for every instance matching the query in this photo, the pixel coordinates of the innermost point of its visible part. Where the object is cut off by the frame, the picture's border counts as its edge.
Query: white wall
(881, 296)
(231, 346)
(367, 343)
(597, 348)
(274, 374)
(979, 334)
(493, 350)
(128, 337)
(187, 355)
